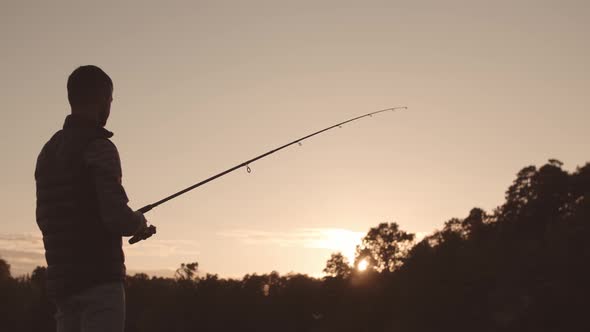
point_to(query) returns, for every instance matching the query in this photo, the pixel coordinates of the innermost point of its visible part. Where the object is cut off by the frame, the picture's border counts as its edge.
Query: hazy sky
(491, 86)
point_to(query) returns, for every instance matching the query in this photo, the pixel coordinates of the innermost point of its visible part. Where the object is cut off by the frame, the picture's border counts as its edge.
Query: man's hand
(144, 231)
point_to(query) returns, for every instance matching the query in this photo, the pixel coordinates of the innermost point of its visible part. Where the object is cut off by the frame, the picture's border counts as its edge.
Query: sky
(200, 86)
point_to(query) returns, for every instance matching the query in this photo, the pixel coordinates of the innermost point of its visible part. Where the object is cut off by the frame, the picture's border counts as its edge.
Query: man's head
(90, 92)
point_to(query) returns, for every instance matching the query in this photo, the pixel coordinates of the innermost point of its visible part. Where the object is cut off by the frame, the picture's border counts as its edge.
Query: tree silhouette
(384, 247)
(4, 270)
(338, 266)
(186, 271)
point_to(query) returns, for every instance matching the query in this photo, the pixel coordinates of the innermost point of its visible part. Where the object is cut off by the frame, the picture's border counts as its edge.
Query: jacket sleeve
(102, 159)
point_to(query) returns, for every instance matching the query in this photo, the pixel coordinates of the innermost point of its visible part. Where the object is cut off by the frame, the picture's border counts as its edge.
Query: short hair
(87, 85)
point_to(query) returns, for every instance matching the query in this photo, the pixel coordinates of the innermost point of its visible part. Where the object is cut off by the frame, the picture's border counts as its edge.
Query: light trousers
(100, 308)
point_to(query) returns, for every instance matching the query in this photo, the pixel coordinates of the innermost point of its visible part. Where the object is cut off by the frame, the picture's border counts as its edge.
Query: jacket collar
(74, 121)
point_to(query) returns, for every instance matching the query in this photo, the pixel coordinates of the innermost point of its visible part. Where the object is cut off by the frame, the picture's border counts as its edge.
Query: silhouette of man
(82, 211)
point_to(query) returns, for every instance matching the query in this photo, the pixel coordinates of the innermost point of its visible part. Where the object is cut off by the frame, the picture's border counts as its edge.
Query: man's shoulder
(101, 149)
(47, 150)
(102, 143)
(52, 140)
(50, 146)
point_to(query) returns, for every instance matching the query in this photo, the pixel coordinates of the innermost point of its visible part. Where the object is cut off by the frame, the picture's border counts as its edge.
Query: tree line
(525, 266)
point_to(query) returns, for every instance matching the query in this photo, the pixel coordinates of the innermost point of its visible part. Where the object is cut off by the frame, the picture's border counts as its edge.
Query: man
(82, 211)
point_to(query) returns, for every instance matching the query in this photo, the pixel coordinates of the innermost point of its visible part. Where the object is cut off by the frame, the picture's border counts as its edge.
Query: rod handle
(151, 230)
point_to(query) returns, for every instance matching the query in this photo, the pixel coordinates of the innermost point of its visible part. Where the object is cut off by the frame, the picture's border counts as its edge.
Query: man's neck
(88, 115)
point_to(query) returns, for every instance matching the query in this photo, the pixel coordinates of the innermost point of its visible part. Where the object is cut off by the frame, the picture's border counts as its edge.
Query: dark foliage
(524, 267)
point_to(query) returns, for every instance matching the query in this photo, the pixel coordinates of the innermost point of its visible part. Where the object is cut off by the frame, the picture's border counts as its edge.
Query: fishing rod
(152, 230)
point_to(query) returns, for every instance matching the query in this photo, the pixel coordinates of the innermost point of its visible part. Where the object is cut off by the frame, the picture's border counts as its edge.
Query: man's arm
(102, 158)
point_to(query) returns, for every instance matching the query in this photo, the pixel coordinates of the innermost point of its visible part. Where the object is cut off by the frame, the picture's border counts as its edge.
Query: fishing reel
(148, 232)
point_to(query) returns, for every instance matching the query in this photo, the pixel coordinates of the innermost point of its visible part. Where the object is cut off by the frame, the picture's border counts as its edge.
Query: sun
(337, 240)
(362, 265)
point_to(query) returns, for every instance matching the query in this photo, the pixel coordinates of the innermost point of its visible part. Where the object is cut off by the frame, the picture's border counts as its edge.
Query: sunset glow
(340, 240)
(362, 266)
(295, 165)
